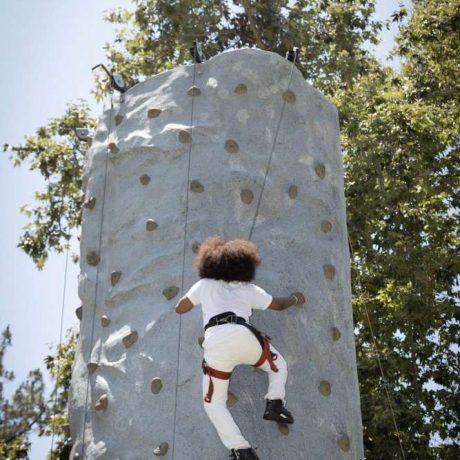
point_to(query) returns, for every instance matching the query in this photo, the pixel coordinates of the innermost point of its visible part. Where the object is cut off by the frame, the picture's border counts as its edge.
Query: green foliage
(57, 420)
(19, 414)
(57, 153)
(401, 151)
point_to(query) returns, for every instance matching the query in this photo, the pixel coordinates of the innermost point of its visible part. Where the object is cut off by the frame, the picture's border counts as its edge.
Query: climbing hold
(231, 399)
(259, 370)
(283, 428)
(326, 226)
(195, 247)
(161, 450)
(153, 113)
(156, 385)
(324, 388)
(329, 271)
(105, 321)
(171, 292)
(194, 91)
(292, 192)
(200, 341)
(102, 403)
(289, 97)
(92, 258)
(90, 203)
(151, 225)
(241, 89)
(247, 196)
(115, 277)
(79, 312)
(231, 146)
(336, 334)
(76, 456)
(91, 367)
(320, 170)
(118, 119)
(196, 186)
(184, 136)
(344, 443)
(145, 179)
(113, 147)
(130, 339)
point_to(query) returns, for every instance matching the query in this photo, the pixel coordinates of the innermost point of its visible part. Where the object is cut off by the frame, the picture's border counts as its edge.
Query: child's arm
(184, 305)
(281, 303)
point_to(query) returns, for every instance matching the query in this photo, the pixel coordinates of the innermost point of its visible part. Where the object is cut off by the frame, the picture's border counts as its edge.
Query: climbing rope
(101, 227)
(60, 343)
(377, 353)
(184, 252)
(275, 138)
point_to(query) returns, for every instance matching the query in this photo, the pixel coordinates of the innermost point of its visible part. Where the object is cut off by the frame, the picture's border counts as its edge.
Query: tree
(19, 414)
(401, 151)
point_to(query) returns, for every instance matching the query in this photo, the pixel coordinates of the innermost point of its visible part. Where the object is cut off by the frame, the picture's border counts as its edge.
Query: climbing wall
(183, 156)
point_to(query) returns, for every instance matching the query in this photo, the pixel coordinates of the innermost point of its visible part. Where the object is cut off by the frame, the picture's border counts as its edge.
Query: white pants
(225, 347)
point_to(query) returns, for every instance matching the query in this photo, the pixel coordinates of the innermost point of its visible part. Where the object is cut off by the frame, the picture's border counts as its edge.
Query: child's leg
(217, 411)
(276, 380)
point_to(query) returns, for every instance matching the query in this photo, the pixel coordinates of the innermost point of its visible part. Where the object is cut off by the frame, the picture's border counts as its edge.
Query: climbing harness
(267, 355)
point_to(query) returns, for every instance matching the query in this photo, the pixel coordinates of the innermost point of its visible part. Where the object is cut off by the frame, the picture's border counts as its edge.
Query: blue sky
(47, 49)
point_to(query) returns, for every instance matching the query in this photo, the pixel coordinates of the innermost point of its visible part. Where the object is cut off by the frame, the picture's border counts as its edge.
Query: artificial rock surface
(129, 327)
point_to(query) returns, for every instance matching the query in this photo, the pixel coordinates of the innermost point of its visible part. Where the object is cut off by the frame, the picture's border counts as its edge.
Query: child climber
(227, 297)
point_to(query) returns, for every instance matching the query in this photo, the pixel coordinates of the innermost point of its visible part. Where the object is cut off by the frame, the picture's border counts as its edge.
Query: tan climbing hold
(196, 186)
(91, 367)
(232, 146)
(344, 443)
(194, 91)
(118, 119)
(153, 113)
(232, 399)
(241, 89)
(320, 170)
(329, 271)
(156, 385)
(79, 312)
(130, 339)
(90, 203)
(185, 137)
(336, 334)
(259, 370)
(326, 226)
(289, 97)
(161, 450)
(283, 428)
(324, 388)
(151, 225)
(196, 247)
(171, 292)
(113, 147)
(144, 179)
(293, 192)
(114, 278)
(247, 196)
(200, 341)
(102, 403)
(92, 258)
(105, 320)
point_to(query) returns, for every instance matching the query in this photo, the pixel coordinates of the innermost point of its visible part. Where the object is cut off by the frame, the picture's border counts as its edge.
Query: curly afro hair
(234, 260)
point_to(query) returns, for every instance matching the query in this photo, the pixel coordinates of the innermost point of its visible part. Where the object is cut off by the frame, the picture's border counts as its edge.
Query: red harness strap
(266, 355)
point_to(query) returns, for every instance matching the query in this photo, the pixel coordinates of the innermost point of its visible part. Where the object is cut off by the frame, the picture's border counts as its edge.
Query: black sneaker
(276, 411)
(243, 454)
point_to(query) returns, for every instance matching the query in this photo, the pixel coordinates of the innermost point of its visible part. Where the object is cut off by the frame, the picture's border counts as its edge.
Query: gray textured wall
(301, 233)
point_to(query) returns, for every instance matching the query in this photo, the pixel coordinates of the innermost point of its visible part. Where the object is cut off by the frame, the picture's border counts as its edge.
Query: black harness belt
(231, 318)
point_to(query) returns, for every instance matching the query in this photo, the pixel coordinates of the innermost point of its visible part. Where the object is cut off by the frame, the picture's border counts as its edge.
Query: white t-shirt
(217, 296)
